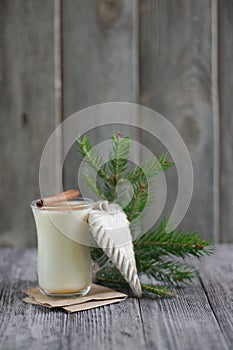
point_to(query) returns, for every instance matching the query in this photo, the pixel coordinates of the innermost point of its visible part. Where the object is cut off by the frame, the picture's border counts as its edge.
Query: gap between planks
(216, 119)
(58, 91)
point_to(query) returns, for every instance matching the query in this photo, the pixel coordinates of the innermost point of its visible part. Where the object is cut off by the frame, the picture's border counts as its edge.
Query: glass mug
(64, 265)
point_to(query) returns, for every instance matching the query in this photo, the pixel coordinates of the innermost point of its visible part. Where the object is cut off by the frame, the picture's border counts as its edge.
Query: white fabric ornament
(110, 228)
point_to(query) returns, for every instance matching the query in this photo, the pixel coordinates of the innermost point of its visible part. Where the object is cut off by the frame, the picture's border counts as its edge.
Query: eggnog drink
(64, 264)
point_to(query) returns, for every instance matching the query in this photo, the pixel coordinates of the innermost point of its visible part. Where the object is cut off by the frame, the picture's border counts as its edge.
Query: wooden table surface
(200, 317)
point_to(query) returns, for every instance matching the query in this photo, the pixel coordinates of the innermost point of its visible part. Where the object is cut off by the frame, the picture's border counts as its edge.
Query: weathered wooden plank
(186, 322)
(27, 105)
(99, 53)
(226, 111)
(29, 326)
(100, 63)
(197, 319)
(176, 80)
(217, 279)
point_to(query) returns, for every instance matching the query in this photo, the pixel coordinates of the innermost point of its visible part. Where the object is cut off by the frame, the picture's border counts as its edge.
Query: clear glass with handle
(64, 263)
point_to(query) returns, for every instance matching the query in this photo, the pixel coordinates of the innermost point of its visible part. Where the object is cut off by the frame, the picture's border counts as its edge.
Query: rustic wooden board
(226, 110)
(201, 317)
(27, 326)
(26, 99)
(100, 63)
(176, 80)
(187, 322)
(217, 280)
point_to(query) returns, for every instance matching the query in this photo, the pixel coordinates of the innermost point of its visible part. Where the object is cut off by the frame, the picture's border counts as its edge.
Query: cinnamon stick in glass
(60, 197)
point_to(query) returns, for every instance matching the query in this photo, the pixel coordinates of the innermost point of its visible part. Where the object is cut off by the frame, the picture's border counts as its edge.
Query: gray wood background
(59, 56)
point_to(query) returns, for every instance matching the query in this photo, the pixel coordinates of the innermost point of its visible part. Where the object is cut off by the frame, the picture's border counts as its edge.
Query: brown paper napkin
(98, 296)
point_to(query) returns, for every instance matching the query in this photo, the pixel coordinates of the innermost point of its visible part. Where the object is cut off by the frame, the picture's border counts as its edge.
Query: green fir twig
(170, 272)
(155, 250)
(118, 159)
(149, 169)
(92, 158)
(113, 278)
(160, 242)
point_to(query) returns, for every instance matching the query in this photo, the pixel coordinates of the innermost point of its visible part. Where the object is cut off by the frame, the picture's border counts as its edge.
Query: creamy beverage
(64, 264)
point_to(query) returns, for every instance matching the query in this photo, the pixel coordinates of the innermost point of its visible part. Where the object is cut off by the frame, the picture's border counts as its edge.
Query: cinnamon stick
(60, 197)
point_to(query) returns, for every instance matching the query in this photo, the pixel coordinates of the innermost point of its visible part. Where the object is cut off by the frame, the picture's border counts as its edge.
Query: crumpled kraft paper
(97, 296)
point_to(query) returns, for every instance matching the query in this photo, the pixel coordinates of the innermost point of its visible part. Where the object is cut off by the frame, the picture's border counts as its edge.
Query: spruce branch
(138, 177)
(160, 242)
(118, 158)
(111, 277)
(167, 271)
(108, 191)
(137, 202)
(155, 249)
(118, 155)
(89, 177)
(140, 201)
(149, 169)
(161, 291)
(92, 158)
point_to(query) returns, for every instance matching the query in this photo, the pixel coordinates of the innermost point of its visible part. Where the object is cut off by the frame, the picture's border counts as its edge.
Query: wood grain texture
(99, 53)
(74, 54)
(175, 80)
(217, 280)
(23, 325)
(100, 63)
(26, 99)
(226, 110)
(199, 318)
(186, 322)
